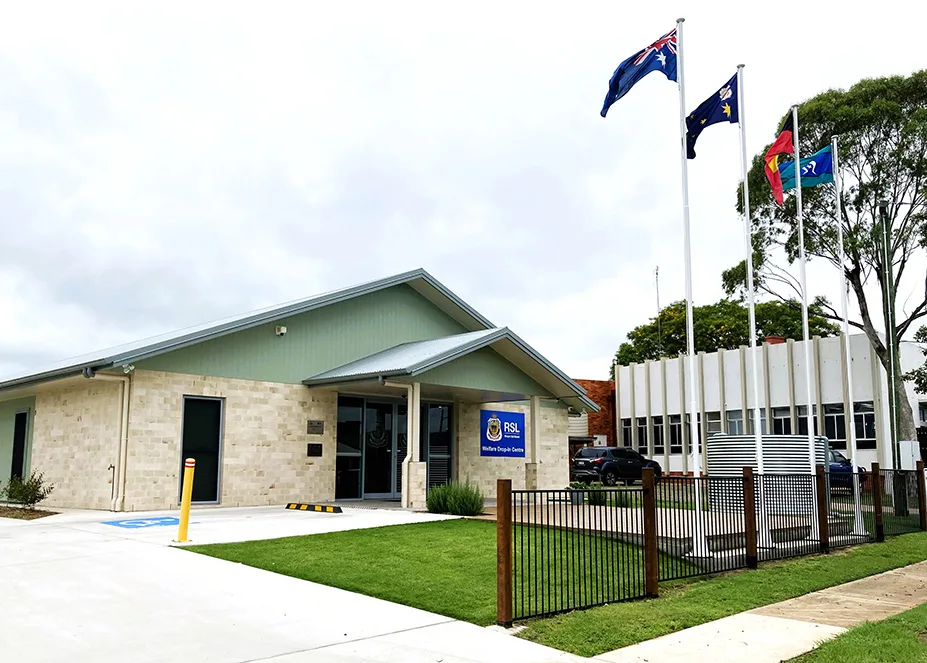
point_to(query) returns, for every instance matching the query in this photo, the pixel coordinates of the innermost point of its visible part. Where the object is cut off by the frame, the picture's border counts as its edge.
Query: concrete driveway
(77, 587)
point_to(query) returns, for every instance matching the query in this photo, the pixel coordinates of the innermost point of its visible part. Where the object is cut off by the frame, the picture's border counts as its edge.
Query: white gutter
(119, 494)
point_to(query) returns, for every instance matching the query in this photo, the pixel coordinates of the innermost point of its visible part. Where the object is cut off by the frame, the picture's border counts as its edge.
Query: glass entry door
(380, 428)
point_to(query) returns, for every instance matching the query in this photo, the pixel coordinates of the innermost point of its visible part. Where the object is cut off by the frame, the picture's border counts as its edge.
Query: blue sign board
(139, 523)
(502, 434)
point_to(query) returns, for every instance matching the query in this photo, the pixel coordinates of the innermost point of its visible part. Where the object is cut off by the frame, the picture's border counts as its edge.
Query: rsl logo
(494, 428)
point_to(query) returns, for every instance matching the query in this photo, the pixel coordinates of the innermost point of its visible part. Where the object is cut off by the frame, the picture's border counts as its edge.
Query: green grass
(899, 638)
(447, 567)
(690, 603)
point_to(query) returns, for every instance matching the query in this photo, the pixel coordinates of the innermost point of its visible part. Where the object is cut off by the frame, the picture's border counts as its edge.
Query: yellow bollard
(188, 467)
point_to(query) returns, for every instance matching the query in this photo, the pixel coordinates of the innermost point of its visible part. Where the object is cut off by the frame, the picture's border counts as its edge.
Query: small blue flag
(816, 169)
(719, 107)
(659, 56)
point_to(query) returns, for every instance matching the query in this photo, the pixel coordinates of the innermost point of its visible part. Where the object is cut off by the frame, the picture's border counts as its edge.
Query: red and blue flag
(659, 56)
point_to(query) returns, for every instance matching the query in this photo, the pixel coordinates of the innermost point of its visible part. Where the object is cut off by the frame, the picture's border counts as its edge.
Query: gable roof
(411, 359)
(420, 280)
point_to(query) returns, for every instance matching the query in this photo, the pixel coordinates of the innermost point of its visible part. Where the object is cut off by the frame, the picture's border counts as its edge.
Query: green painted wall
(8, 410)
(315, 341)
(484, 369)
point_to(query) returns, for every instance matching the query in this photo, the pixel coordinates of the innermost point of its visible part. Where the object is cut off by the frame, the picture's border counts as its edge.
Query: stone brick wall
(602, 393)
(553, 470)
(263, 448)
(74, 441)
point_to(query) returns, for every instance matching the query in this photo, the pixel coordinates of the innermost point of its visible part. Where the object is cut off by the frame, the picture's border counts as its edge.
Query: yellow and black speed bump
(315, 508)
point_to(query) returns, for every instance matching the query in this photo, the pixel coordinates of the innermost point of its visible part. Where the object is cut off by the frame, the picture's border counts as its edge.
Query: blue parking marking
(139, 523)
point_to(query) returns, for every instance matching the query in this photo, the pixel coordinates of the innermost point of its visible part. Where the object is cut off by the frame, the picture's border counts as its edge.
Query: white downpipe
(119, 497)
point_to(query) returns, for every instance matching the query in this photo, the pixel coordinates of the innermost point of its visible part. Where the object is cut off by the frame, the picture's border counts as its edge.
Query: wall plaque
(313, 450)
(315, 427)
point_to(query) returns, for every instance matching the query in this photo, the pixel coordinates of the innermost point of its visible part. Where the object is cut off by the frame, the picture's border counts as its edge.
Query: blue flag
(816, 169)
(659, 56)
(719, 107)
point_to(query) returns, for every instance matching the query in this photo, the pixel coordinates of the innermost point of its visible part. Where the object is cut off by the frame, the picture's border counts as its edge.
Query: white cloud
(168, 165)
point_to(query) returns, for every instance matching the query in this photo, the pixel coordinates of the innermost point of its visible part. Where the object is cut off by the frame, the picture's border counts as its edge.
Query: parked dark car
(610, 465)
(841, 470)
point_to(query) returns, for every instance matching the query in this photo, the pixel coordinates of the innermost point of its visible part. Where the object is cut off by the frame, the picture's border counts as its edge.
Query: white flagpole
(699, 541)
(859, 527)
(815, 532)
(765, 538)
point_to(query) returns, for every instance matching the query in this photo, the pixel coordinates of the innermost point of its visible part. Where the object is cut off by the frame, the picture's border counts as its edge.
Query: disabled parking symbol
(141, 523)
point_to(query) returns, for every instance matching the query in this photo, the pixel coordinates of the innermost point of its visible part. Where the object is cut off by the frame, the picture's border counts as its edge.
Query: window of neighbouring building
(762, 420)
(626, 432)
(801, 413)
(782, 421)
(735, 422)
(675, 433)
(922, 408)
(657, 423)
(642, 435)
(713, 421)
(835, 429)
(864, 418)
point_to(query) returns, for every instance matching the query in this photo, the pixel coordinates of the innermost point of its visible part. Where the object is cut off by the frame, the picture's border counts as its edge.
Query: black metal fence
(566, 553)
(562, 550)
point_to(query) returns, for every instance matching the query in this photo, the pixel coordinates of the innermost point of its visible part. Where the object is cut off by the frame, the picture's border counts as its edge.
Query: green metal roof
(412, 359)
(419, 279)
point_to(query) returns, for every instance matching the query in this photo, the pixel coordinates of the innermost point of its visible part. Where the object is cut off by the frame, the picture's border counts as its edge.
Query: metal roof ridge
(199, 333)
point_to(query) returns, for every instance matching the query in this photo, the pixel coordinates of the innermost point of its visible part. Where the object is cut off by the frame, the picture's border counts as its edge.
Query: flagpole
(812, 453)
(765, 537)
(699, 541)
(859, 527)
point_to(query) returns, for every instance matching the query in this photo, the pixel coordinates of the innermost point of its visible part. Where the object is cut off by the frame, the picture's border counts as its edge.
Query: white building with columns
(652, 403)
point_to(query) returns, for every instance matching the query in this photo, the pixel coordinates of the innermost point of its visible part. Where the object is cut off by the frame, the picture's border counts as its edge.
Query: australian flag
(659, 56)
(719, 107)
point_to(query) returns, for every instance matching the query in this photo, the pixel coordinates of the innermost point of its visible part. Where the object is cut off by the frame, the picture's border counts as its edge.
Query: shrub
(30, 492)
(597, 495)
(459, 499)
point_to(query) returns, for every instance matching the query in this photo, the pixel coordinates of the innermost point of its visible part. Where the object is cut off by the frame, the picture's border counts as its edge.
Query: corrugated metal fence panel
(787, 485)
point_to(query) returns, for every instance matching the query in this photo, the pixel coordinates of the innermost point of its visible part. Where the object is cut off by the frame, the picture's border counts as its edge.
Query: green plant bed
(459, 499)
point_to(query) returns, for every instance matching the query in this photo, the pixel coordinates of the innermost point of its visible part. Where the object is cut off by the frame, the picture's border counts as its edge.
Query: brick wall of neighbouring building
(602, 393)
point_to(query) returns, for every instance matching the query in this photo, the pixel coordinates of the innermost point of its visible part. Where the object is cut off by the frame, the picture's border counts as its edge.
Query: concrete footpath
(784, 630)
(91, 587)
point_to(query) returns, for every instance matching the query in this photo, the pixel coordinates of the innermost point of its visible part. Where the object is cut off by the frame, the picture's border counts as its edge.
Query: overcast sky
(164, 168)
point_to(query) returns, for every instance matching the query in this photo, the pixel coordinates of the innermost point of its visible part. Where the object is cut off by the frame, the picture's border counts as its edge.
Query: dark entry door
(379, 442)
(202, 431)
(20, 426)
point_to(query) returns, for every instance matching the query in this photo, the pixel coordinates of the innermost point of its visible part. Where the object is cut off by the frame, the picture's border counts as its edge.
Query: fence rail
(563, 550)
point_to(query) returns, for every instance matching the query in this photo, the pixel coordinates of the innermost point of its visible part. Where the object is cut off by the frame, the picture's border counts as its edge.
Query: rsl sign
(502, 434)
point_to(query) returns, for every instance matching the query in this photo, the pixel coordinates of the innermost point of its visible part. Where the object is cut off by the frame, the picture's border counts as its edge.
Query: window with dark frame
(835, 429)
(675, 433)
(657, 423)
(642, 435)
(781, 421)
(864, 419)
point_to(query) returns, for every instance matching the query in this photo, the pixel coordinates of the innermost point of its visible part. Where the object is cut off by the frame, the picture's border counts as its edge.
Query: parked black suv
(610, 465)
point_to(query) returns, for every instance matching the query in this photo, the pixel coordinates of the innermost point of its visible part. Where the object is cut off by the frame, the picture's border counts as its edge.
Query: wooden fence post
(820, 481)
(750, 517)
(921, 495)
(651, 554)
(877, 502)
(504, 552)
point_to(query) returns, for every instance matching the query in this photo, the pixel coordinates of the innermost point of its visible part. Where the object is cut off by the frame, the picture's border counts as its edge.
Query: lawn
(449, 567)
(690, 603)
(899, 638)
